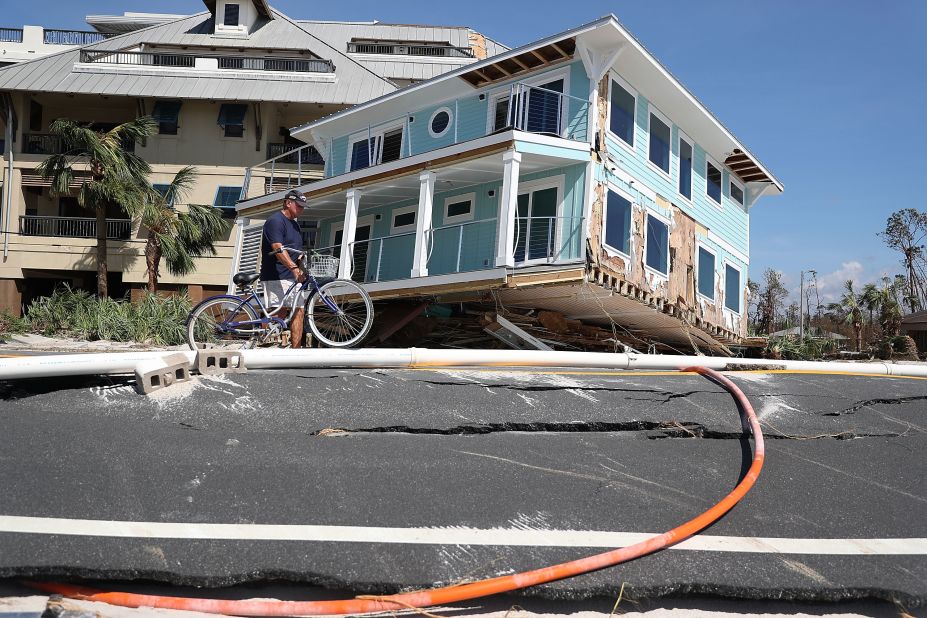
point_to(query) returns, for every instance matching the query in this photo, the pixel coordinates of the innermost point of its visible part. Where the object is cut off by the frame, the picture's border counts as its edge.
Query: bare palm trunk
(152, 260)
(858, 327)
(102, 269)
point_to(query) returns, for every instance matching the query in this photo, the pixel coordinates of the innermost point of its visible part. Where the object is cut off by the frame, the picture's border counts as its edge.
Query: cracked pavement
(482, 449)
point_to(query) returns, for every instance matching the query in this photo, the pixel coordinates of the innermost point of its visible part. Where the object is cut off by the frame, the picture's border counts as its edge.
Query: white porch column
(347, 234)
(508, 209)
(426, 196)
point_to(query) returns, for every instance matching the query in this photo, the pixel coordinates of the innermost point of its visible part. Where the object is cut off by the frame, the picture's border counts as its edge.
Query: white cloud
(830, 285)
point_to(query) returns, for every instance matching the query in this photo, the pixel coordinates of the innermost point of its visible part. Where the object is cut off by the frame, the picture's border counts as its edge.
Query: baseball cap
(297, 197)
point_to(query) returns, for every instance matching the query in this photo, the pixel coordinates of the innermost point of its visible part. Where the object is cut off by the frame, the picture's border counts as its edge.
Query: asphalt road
(380, 480)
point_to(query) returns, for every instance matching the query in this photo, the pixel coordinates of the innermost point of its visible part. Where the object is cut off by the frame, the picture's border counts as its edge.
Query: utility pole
(801, 308)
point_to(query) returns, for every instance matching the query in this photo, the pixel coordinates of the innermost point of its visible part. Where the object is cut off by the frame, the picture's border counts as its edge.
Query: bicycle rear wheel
(209, 325)
(340, 314)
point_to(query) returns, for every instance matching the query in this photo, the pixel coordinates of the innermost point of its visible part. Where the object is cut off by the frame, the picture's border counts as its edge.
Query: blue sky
(828, 94)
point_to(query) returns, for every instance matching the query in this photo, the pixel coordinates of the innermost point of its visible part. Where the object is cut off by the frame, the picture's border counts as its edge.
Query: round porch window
(440, 122)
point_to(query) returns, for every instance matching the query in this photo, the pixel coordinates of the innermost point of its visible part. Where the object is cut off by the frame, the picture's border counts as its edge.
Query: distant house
(574, 174)
(814, 332)
(914, 325)
(224, 85)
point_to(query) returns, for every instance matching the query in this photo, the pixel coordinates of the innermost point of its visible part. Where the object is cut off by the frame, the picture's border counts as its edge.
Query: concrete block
(160, 373)
(212, 362)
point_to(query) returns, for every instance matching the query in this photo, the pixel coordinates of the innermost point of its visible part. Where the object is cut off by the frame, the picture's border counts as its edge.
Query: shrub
(76, 313)
(11, 325)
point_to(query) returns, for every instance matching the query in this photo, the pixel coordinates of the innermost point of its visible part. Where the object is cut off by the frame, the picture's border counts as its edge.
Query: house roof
(918, 317)
(665, 91)
(817, 332)
(64, 73)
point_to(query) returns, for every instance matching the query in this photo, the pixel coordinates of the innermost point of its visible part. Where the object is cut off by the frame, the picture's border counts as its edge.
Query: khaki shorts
(276, 289)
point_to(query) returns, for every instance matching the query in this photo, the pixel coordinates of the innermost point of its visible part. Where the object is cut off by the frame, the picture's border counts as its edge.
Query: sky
(827, 94)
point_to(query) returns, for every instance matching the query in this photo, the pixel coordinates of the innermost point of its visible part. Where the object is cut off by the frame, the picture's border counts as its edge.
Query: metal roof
(354, 82)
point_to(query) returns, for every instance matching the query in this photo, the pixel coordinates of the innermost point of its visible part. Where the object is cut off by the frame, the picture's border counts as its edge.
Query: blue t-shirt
(285, 231)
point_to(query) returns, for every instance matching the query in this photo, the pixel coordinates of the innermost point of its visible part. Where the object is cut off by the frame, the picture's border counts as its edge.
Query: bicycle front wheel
(216, 323)
(340, 314)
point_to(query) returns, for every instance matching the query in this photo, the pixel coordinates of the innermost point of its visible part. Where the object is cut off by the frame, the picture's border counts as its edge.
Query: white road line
(452, 536)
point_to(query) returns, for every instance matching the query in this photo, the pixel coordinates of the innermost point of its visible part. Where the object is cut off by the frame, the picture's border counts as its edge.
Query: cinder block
(161, 373)
(212, 362)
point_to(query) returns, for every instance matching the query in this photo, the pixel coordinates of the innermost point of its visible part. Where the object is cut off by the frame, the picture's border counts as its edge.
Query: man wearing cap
(279, 270)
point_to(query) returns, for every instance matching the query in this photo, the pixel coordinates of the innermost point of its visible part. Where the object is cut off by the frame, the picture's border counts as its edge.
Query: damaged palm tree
(179, 237)
(116, 177)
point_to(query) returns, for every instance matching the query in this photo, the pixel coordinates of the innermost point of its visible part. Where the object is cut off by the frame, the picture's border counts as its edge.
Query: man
(279, 270)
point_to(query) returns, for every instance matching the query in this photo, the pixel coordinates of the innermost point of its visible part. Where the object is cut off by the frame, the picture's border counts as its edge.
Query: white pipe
(272, 358)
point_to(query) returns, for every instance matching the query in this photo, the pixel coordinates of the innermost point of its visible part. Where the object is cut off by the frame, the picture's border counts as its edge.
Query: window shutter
(249, 254)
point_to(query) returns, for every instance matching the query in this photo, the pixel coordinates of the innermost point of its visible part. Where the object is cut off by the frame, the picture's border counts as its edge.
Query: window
(459, 208)
(621, 113)
(705, 276)
(502, 114)
(232, 119)
(657, 245)
(440, 122)
(618, 223)
(540, 112)
(231, 15)
(713, 181)
(732, 288)
(166, 114)
(378, 148)
(737, 193)
(403, 219)
(162, 189)
(392, 146)
(226, 198)
(659, 143)
(685, 168)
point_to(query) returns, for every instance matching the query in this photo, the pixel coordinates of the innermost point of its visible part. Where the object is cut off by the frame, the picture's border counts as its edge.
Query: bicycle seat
(243, 279)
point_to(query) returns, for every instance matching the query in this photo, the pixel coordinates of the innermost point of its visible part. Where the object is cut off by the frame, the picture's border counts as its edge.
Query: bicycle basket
(323, 266)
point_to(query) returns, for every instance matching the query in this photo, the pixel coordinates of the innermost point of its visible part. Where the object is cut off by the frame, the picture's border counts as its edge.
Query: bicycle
(338, 311)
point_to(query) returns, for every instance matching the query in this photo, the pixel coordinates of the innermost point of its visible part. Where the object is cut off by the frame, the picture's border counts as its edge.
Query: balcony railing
(73, 37)
(48, 144)
(11, 35)
(41, 144)
(138, 58)
(189, 61)
(294, 154)
(402, 49)
(462, 247)
(292, 65)
(73, 227)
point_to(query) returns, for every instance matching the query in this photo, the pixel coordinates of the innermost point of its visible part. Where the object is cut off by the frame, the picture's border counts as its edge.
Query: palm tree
(178, 237)
(850, 310)
(870, 300)
(890, 298)
(116, 175)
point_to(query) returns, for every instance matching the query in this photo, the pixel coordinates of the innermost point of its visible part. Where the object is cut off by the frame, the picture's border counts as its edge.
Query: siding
(728, 221)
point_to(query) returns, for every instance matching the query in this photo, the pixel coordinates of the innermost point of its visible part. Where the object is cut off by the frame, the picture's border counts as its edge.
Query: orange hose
(452, 594)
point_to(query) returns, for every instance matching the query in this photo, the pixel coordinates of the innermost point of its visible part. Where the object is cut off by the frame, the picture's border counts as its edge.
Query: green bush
(793, 348)
(75, 313)
(11, 325)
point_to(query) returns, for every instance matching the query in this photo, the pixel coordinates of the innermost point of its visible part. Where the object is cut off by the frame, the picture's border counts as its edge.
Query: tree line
(875, 308)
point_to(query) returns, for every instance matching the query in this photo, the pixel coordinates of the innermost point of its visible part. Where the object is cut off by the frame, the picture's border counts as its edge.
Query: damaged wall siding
(690, 222)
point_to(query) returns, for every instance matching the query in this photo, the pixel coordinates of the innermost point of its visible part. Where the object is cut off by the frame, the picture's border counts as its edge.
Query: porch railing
(523, 108)
(49, 144)
(163, 59)
(409, 50)
(294, 154)
(11, 35)
(73, 227)
(292, 65)
(383, 259)
(72, 37)
(546, 240)
(288, 166)
(462, 247)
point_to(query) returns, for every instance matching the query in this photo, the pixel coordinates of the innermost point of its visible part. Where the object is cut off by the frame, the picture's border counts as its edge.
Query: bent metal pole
(462, 592)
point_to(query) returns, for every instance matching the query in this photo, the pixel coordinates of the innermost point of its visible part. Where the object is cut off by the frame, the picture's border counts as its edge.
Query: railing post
(459, 247)
(299, 165)
(379, 260)
(273, 167)
(245, 185)
(346, 266)
(456, 116)
(550, 239)
(508, 209)
(426, 194)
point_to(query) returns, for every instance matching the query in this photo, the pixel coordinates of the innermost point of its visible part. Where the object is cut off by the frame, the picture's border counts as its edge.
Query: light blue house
(574, 174)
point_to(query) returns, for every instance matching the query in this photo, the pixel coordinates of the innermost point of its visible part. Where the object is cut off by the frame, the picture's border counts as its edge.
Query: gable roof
(63, 72)
(667, 93)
